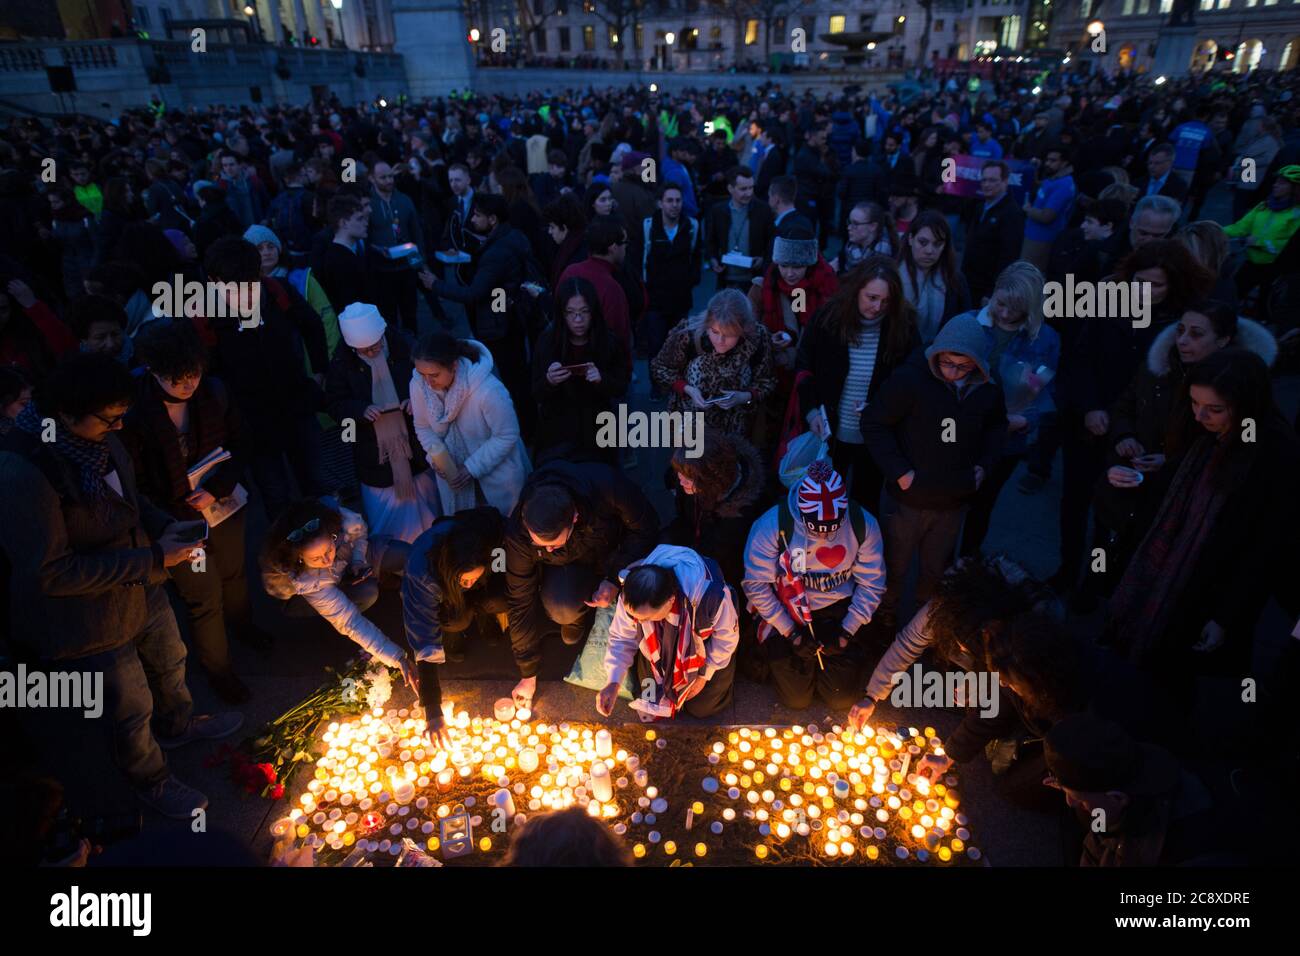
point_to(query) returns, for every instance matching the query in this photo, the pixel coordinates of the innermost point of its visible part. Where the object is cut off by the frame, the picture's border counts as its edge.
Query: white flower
(381, 687)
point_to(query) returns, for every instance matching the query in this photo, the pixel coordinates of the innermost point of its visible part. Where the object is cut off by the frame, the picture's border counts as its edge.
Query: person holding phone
(718, 362)
(579, 370)
(88, 556)
(1140, 418)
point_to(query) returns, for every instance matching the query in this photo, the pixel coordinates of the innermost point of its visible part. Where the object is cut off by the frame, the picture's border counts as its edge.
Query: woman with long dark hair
(467, 425)
(119, 210)
(524, 214)
(932, 279)
(454, 580)
(849, 348)
(1140, 420)
(579, 369)
(1219, 543)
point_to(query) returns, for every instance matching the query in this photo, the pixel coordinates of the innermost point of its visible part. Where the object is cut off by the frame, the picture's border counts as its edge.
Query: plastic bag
(589, 669)
(800, 453)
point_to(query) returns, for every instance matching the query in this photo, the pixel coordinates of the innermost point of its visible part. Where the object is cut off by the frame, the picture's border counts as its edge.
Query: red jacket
(51, 334)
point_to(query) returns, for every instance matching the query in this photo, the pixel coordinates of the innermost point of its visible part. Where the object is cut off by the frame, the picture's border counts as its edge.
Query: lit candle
(528, 760)
(403, 790)
(604, 743)
(601, 785)
(505, 800)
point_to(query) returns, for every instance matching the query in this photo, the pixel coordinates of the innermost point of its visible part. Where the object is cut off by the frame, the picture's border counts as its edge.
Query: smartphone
(190, 536)
(581, 366)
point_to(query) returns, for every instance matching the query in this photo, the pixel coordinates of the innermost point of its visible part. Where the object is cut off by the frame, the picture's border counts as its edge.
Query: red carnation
(277, 791)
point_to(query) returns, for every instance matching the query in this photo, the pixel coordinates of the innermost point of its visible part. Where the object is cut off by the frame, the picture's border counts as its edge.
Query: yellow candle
(670, 847)
(701, 849)
(760, 851)
(638, 850)
(485, 844)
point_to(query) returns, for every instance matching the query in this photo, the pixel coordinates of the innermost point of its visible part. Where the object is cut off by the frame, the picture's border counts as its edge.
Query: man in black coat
(859, 181)
(670, 265)
(738, 225)
(575, 527)
(261, 361)
(816, 169)
(495, 302)
(994, 231)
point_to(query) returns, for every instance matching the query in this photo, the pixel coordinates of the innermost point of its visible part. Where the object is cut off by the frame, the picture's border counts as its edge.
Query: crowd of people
(865, 340)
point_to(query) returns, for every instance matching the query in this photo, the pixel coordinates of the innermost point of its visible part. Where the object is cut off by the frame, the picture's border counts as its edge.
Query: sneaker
(229, 688)
(204, 727)
(1031, 483)
(173, 799)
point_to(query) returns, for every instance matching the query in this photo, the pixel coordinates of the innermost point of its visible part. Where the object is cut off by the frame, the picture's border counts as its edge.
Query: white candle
(528, 760)
(601, 786)
(403, 791)
(503, 799)
(604, 743)
(504, 709)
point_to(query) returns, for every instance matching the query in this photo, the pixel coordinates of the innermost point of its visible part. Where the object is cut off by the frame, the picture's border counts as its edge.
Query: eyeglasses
(579, 314)
(110, 422)
(962, 367)
(859, 222)
(298, 534)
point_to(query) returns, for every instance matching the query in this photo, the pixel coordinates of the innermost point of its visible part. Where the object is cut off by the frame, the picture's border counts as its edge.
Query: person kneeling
(676, 620)
(814, 583)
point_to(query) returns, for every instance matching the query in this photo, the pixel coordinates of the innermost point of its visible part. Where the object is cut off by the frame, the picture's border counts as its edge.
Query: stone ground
(1024, 526)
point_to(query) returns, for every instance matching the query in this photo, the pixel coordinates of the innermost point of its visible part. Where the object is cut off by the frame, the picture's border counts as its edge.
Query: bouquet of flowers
(264, 764)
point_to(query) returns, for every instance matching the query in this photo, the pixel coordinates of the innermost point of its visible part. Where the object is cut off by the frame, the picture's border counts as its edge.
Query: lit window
(837, 23)
(751, 32)
(589, 38)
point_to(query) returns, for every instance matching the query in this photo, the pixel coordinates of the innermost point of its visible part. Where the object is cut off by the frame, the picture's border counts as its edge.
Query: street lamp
(669, 38)
(1095, 27)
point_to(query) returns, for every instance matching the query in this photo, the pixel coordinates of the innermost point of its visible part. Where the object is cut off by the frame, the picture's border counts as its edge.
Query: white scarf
(390, 428)
(444, 408)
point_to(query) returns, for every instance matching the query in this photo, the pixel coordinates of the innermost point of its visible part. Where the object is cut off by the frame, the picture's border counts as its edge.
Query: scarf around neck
(91, 458)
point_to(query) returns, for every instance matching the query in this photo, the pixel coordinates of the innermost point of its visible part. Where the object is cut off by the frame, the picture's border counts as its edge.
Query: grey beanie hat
(794, 252)
(962, 334)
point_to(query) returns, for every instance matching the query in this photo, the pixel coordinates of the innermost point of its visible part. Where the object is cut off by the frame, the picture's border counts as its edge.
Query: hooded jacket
(716, 626)
(616, 525)
(904, 426)
(479, 408)
(836, 568)
(1142, 411)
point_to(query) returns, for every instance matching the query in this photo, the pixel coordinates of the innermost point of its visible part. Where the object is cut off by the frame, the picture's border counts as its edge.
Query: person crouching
(676, 621)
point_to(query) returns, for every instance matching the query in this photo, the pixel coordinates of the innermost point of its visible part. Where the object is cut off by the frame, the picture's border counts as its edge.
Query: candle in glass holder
(403, 790)
(528, 760)
(504, 709)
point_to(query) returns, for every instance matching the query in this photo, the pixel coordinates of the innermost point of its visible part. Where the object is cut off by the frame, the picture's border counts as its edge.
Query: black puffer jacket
(616, 525)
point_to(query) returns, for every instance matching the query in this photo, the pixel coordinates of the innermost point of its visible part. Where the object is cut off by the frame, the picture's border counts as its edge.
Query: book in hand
(736, 259)
(452, 257)
(222, 508)
(400, 251)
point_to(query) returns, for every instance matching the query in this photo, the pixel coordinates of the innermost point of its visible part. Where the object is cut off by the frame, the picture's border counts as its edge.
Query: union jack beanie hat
(822, 498)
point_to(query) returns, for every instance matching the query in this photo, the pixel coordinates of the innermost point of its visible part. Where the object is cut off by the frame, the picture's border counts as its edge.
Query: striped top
(862, 363)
